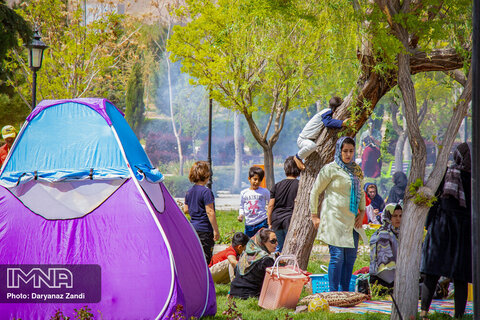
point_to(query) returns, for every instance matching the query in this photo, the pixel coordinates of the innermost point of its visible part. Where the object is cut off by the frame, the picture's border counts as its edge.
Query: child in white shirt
(253, 202)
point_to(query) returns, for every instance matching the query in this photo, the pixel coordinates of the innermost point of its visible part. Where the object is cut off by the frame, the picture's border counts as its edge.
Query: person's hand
(359, 220)
(240, 218)
(315, 221)
(346, 122)
(216, 235)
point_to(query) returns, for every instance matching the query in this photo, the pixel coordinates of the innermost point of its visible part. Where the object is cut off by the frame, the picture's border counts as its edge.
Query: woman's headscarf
(355, 173)
(453, 180)
(254, 252)
(377, 201)
(398, 190)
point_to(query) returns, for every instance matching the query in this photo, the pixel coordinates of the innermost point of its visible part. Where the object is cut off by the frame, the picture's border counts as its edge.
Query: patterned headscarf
(254, 252)
(384, 244)
(453, 179)
(355, 173)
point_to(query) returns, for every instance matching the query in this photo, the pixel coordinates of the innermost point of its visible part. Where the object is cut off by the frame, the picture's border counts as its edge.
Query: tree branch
(436, 60)
(457, 75)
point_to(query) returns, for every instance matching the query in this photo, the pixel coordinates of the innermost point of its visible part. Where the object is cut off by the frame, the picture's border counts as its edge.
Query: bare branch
(423, 111)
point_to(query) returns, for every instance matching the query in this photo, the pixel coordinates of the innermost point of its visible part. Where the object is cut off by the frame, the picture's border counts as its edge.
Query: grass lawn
(249, 309)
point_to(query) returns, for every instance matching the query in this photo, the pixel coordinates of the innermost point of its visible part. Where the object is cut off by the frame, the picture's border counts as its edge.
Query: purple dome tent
(86, 221)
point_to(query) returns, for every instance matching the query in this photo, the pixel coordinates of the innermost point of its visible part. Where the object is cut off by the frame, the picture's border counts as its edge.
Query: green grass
(249, 309)
(228, 225)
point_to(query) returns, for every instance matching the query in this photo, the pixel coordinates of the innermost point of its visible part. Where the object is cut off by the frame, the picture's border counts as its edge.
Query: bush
(177, 185)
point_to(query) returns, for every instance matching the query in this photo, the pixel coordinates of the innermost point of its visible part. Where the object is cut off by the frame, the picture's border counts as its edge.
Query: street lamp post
(35, 57)
(209, 156)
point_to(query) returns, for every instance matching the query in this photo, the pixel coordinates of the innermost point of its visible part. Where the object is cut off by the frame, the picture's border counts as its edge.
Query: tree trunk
(411, 235)
(370, 87)
(408, 260)
(268, 165)
(237, 138)
(399, 152)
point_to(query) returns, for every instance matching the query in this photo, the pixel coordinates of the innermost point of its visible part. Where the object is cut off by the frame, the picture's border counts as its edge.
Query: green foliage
(82, 60)
(385, 155)
(379, 292)
(253, 56)
(12, 25)
(12, 110)
(433, 24)
(80, 314)
(419, 198)
(134, 105)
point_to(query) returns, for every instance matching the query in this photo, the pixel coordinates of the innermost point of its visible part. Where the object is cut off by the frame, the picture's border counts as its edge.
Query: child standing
(307, 138)
(282, 201)
(253, 202)
(199, 203)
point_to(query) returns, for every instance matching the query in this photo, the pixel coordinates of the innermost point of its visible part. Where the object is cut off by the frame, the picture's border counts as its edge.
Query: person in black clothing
(282, 200)
(252, 265)
(447, 249)
(398, 190)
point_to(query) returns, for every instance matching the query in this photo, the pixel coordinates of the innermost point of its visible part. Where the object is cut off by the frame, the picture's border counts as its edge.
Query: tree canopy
(266, 56)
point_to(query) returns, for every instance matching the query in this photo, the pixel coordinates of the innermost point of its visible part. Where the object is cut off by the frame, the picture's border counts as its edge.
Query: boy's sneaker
(299, 163)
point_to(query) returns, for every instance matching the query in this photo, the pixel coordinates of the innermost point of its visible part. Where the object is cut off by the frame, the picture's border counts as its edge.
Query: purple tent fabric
(94, 103)
(149, 262)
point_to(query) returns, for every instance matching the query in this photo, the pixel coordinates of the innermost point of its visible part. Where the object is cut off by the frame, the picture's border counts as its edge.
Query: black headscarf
(398, 190)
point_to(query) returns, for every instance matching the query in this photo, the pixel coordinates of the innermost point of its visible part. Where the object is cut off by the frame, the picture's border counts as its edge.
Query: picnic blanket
(384, 306)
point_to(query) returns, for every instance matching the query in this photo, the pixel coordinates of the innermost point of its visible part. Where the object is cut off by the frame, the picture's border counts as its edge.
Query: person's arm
(359, 219)
(361, 208)
(185, 208)
(241, 213)
(271, 204)
(213, 220)
(232, 260)
(331, 123)
(321, 183)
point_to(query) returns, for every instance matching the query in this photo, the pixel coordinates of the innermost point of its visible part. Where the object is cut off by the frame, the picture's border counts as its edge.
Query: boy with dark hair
(282, 201)
(199, 204)
(222, 266)
(253, 202)
(307, 139)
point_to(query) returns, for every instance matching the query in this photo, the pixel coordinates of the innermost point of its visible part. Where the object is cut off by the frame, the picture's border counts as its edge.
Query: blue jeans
(250, 231)
(281, 234)
(341, 265)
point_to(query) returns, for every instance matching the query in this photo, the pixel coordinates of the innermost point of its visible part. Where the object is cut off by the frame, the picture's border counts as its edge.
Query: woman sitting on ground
(384, 246)
(252, 265)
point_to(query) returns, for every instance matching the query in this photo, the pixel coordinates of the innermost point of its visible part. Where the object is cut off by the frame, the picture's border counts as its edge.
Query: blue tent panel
(136, 156)
(45, 148)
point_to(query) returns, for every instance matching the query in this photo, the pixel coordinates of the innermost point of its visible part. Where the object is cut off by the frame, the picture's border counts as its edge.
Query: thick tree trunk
(370, 87)
(411, 235)
(237, 138)
(408, 263)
